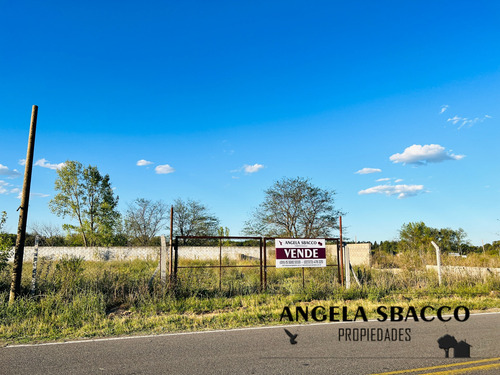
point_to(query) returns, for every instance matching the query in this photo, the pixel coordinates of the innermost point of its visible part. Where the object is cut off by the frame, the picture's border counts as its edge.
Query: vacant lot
(77, 299)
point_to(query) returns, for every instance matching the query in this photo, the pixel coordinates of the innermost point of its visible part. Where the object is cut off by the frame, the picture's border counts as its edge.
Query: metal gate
(220, 266)
(263, 255)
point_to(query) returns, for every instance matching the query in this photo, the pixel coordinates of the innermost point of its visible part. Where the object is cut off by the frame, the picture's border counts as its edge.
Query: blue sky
(229, 97)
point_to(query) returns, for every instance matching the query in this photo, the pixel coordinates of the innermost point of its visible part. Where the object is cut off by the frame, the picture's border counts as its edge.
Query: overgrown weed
(77, 299)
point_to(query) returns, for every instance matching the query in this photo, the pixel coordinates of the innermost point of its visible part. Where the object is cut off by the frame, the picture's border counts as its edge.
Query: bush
(5, 243)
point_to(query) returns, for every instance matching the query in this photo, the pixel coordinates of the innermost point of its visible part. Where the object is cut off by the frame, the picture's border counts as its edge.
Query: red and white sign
(305, 252)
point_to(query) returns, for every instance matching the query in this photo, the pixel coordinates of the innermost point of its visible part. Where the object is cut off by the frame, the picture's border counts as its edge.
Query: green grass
(76, 299)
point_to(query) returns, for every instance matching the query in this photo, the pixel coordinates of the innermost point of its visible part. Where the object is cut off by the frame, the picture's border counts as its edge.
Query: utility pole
(15, 286)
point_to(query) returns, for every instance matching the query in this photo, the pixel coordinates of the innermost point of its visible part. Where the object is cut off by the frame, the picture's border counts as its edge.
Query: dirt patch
(121, 311)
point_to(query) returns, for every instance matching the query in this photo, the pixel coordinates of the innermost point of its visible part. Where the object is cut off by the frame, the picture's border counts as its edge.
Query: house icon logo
(460, 349)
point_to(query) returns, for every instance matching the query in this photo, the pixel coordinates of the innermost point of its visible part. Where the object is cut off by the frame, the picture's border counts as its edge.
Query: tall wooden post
(171, 250)
(341, 254)
(163, 259)
(15, 286)
(220, 263)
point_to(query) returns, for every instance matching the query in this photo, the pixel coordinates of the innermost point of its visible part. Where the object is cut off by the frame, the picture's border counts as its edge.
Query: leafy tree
(5, 242)
(493, 248)
(192, 218)
(86, 196)
(389, 247)
(447, 342)
(224, 232)
(453, 240)
(144, 219)
(293, 207)
(418, 237)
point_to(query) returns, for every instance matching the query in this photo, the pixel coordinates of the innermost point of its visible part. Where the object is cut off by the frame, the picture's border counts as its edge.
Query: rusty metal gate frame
(220, 266)
(262, 257)
(340, 262)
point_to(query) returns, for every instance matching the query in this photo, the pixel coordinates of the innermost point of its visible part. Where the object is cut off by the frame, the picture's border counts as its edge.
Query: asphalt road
(267, 350)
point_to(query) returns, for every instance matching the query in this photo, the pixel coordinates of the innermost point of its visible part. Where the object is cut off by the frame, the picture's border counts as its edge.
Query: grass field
(77, 299)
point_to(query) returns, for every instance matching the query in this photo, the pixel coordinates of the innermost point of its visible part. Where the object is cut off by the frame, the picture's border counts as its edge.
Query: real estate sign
(300, 252)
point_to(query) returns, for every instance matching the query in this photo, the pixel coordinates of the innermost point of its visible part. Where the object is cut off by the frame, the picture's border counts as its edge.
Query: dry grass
(77, 299)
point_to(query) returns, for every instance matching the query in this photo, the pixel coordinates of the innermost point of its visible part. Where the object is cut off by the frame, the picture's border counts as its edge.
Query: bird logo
(292, 336)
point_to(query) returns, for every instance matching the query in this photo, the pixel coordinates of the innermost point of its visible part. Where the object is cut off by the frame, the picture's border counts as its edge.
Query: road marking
(465, 370)
(444, 366)
(83, 341)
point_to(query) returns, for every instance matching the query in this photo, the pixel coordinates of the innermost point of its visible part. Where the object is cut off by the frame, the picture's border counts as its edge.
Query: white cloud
(383, 179)
(418, 154)
(368, 170)
(164, 169)
(45, 164)
(398, 180)
(41, 195)
(5, 171)
(3, 187)
(6, 188)
(443, 108)
(402, 191)
(252, 168)
(22, 162)
(454, 119)
(464, 121)
(248, 168)
(142, 163)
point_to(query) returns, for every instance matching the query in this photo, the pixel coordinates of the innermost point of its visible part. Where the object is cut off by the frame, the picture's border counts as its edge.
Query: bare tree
(293, 207)
(50, 234)
(144, 220)
(192, 218)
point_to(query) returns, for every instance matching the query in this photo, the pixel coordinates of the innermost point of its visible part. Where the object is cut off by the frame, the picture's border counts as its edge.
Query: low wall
(213, 252)
(93, 253)
(468, 271)
(359, 253)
